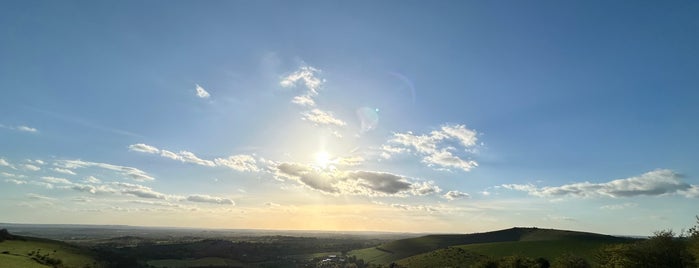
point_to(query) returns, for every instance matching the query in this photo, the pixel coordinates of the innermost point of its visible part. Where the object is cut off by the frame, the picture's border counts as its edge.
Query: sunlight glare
(322, 159)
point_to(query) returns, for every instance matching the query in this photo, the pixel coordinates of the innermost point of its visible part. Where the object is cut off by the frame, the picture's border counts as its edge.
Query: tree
(569, 260)
(693, 240)
(663, 249)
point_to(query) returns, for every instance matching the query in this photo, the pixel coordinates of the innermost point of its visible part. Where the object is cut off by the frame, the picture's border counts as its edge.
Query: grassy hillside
(404, 248)
(34, 252)
(446, 257)
(549, 249)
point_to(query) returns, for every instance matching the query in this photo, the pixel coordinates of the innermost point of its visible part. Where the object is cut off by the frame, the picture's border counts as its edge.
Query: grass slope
(446, 257)
(404, 248)
(549, 249)
(20, 253)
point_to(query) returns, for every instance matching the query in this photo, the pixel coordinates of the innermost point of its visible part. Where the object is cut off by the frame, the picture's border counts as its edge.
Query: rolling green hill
(496, 243)
(18, 251)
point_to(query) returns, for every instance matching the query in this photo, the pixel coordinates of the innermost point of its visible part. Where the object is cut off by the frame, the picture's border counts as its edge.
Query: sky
(404, 116)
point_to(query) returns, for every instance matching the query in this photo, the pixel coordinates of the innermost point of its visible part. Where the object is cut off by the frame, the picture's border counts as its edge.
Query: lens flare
(368, 117)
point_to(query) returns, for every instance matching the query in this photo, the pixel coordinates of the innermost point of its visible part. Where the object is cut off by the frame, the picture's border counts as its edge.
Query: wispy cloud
(15, 181)
(4, 163)
(422, 208)
(202, 93)
(39, 197)
(143, 148)
(619, 206)
(320, 117)
(31, 167)
(36, 161)
(307, 76)
(92, 179)
(131, 172)
(303, 100)
(210, 199)
(236, 162)
(654, 183)
(437, 148)
(93, 189)
(55, 180)
(368, 183)
(21, 128)
(64, 171)
(12, 175)
(139, 191)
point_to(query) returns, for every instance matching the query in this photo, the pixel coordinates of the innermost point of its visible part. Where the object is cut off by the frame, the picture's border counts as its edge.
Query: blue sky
(391, 116)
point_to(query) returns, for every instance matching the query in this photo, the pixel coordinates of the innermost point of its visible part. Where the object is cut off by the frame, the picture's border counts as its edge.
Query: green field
(535, 249)
(22, 253)
(203, 262)
(465, 255)
(532, 242)
(447, 257)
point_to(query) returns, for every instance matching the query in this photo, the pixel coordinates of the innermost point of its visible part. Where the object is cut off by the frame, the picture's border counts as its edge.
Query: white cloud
(436, 148)
(42, 184)
(143, 148)
(139, 191)
(307, 75)
(304, 100)
(4, 163)
(654, 183)
(12, 175)
(92, 179)
(210, 199)
(169, 154)
(446, 159)
(465, 136)
(55, 180)
(31, 167)
(202, 93)
(15, 181)
(156, 203)
(101, 189)
(239, 163)
(454, 195)
(64, 171)
(619, 206)
(424, 188)
(36, 161)
(235, 162)
(367, 183)
(27, 129)
(693, 191)
(39, 197)
(131, 172)
(322, 118)
(22, 128)
(189, 157)
(415, 208)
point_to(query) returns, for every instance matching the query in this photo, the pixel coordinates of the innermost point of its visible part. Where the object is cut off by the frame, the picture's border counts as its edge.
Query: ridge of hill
(24, 251)
(404, 248)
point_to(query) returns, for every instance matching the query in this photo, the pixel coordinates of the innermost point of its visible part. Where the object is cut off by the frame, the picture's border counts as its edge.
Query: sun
(322, 159)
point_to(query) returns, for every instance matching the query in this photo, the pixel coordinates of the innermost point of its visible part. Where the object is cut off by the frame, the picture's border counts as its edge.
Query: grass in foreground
(25, 253)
